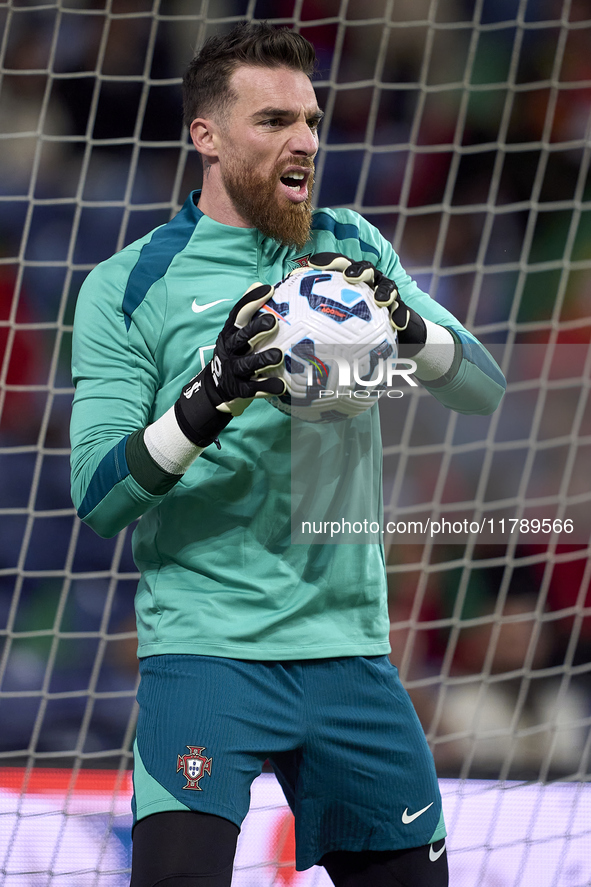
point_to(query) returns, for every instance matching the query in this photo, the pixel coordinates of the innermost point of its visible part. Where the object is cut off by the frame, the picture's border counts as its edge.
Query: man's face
(267, 146)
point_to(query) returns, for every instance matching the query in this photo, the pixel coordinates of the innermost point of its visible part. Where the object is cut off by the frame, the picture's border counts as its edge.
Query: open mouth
(296, 181)
(293, 180)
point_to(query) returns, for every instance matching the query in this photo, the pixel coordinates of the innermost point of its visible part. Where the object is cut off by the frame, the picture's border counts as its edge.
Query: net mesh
(461, 129)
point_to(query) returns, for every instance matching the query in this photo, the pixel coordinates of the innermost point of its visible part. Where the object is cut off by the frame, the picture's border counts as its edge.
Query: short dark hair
(206, 84)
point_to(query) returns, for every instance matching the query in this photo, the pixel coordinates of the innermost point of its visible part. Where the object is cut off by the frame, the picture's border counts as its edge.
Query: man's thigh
(205, 727)
(364, 778)
(183, 849)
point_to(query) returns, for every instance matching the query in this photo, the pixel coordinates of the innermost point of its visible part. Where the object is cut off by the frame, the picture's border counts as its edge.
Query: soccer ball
(336, 341)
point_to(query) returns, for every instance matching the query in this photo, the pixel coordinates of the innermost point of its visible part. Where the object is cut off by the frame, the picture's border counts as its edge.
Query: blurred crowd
(494, 641)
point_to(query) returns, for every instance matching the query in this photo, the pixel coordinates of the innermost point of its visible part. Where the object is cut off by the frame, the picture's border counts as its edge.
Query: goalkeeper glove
(410, 326)
(229, 382)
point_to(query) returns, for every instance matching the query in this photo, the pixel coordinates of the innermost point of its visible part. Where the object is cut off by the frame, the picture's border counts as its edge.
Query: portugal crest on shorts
(194, 766)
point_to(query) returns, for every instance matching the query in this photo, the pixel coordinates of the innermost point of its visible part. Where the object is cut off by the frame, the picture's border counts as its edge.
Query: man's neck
(215, 202)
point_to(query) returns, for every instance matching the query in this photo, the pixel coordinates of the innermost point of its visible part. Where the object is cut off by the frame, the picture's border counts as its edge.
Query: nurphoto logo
(385, 371)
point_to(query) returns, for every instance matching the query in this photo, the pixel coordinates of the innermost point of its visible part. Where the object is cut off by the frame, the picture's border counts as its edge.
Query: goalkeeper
(251, 648)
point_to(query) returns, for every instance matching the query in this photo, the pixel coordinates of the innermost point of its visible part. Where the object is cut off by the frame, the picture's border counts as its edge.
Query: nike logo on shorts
(199, 308)
(435, 854)
(408, 818)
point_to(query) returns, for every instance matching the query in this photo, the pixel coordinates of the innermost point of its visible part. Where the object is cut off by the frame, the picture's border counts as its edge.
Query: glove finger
(329, 261)
(273, 358)
(243, 340)
(245, 367)
(261, 327)
(362, 272)
(272, 385)
(385, 293)
(254, 297)
(400, 317)
(256, 388)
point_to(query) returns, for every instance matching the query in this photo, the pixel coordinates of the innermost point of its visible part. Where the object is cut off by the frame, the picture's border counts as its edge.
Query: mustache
(303, 162)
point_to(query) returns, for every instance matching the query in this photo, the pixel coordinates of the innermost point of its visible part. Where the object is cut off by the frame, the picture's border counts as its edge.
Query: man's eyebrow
(270, 112)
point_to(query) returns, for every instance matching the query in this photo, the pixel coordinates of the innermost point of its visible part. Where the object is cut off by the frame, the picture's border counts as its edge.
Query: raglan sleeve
(115, 377)
(474, 383)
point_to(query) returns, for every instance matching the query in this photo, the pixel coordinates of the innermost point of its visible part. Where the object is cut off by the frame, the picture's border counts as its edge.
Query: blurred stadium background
(461, 128)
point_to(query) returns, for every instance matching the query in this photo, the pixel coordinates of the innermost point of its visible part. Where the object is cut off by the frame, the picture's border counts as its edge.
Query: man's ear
(203, 134)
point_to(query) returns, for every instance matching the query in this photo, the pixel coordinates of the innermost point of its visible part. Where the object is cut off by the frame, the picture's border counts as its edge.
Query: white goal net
(460, 128)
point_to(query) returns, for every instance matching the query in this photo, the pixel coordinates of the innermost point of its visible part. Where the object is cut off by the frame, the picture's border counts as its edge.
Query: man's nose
(303, 140)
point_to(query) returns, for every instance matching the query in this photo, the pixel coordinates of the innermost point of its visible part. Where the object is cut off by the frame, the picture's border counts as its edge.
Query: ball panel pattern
(334, 337)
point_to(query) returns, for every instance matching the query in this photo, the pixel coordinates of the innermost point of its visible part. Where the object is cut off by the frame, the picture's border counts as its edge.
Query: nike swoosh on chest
(200, 307)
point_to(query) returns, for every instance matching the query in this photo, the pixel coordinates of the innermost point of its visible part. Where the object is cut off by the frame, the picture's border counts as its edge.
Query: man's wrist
(439, 355)
(168, 446)
(197, 417)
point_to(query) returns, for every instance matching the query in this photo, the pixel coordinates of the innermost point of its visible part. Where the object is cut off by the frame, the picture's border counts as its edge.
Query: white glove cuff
(168, 446)
(436, 356)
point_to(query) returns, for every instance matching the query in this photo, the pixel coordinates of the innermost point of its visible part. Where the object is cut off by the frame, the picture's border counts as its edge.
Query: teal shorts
(341, 734)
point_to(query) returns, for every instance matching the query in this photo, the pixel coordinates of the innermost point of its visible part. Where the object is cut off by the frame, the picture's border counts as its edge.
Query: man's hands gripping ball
(410, 326)
(230, 381)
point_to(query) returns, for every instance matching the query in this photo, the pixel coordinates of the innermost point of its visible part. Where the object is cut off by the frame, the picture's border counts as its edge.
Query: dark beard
(254, 197)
